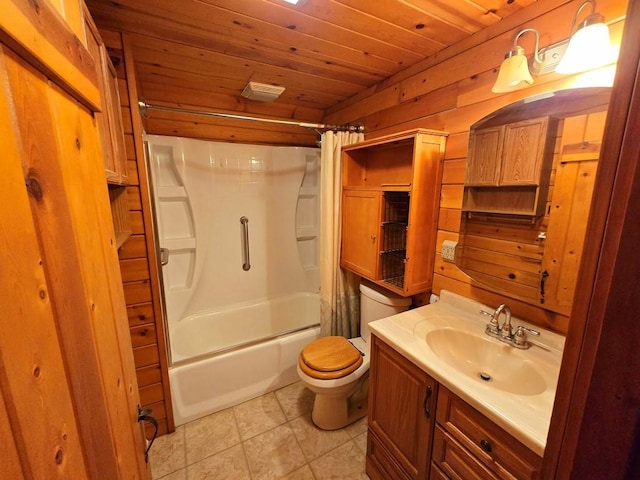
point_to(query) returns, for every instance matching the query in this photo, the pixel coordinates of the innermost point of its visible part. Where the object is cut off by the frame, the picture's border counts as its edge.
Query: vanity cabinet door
(360, 231)
(401, 416)
(483, 442)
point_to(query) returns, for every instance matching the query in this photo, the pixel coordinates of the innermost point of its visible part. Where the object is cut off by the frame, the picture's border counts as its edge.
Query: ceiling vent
(261, 92)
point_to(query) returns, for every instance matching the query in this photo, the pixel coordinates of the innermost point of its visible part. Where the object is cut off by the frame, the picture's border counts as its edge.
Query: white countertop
(526, 417)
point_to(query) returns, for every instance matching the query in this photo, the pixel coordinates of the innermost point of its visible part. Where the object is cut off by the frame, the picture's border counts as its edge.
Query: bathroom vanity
(448, 401)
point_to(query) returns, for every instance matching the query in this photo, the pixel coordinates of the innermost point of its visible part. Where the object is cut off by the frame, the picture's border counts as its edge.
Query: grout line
(184, 443)
(242, 442)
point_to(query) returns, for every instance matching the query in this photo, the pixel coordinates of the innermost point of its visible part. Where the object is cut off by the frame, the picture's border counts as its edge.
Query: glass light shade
(588, 48)
(514, 73)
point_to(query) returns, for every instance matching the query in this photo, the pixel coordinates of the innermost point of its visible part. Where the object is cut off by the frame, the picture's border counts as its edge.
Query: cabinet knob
(486, 445)
(373, 238)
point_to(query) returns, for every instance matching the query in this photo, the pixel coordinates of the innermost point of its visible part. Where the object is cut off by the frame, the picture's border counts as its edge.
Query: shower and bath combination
(238, 225)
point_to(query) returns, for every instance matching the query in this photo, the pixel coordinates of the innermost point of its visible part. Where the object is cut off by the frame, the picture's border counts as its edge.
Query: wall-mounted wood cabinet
(390, 200)
(508, 167)
(109, 120)
(534, 259)
(110, 128)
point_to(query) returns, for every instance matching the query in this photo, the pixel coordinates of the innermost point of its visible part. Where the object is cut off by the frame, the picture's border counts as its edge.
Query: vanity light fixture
(589, 46)
(514, 71)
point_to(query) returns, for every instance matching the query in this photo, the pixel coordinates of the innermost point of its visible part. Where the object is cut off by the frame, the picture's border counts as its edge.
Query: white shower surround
(201, 191)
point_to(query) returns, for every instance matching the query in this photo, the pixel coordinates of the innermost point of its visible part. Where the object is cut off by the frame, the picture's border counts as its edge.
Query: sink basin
(487, 360)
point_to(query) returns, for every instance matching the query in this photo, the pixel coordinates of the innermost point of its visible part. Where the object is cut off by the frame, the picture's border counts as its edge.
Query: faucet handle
(530, 331)
(520, 337)
(493, 327)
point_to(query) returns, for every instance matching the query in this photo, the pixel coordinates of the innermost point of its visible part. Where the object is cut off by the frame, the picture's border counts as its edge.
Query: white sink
(489, 361)
(447, 341)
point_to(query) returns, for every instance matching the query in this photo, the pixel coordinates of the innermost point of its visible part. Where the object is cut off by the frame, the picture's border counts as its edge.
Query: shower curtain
(339, 299)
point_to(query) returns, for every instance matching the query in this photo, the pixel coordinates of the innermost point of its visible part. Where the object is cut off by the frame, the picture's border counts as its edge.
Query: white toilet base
(331, 412)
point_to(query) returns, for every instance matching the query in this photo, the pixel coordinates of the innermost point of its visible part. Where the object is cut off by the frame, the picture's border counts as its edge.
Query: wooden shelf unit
(390, 203)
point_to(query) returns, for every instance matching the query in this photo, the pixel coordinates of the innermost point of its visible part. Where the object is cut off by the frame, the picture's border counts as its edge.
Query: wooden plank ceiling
(202, 53)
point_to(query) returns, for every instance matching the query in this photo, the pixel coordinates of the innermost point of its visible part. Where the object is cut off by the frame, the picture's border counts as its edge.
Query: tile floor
(269, 437)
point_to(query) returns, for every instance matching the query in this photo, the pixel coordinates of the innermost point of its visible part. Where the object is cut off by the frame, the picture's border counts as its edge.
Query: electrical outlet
(448, 250)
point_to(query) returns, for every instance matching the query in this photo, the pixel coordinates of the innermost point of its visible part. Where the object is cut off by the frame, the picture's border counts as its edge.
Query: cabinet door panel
(401, 408)
(360, 232)
(484, 148)
(522, 154)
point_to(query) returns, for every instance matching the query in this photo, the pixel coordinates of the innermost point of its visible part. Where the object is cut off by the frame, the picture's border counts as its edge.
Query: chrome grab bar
(246, 265)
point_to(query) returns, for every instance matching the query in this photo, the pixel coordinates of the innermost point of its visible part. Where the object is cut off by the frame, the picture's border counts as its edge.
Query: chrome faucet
(505, 332)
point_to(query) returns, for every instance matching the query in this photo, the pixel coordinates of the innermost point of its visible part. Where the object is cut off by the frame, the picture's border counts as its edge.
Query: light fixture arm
(522, 32)
(589, 17)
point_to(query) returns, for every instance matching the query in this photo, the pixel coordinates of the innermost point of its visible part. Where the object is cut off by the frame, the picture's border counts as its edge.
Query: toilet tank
(376, 303)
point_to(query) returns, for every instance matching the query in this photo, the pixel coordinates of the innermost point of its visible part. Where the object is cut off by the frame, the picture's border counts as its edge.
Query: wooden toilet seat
(329, 358)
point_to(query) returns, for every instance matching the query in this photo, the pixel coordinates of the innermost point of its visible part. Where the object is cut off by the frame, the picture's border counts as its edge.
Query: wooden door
(68, 380)
(39, 430)
(567, 229)
(360, 232)
(68, 391)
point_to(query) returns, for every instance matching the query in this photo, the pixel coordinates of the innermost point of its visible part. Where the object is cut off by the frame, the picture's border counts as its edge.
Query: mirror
(529, 179)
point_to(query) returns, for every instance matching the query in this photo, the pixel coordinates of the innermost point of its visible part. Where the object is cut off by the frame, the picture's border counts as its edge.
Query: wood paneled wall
(450, 92)
(137, 257)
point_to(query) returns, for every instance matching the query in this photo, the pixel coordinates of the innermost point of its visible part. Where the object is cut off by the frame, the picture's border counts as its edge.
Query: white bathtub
(208, 375)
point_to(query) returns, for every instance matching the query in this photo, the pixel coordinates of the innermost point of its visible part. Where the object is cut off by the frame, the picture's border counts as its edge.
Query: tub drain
(485, 376)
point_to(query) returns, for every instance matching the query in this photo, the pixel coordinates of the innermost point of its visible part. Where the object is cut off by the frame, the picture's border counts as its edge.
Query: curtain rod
(144, 106)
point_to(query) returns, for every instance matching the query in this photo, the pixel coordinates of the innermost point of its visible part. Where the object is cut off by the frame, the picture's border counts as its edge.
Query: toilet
(336, 370)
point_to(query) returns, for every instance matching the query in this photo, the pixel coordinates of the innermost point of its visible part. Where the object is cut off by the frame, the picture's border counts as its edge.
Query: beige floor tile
(167, 454)
(258, 415)
(361, 442)
(345, 462)
(357, 428)
(210, 434)
(296, 400)
(314, 441)
(227, 465)
(273, 454)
